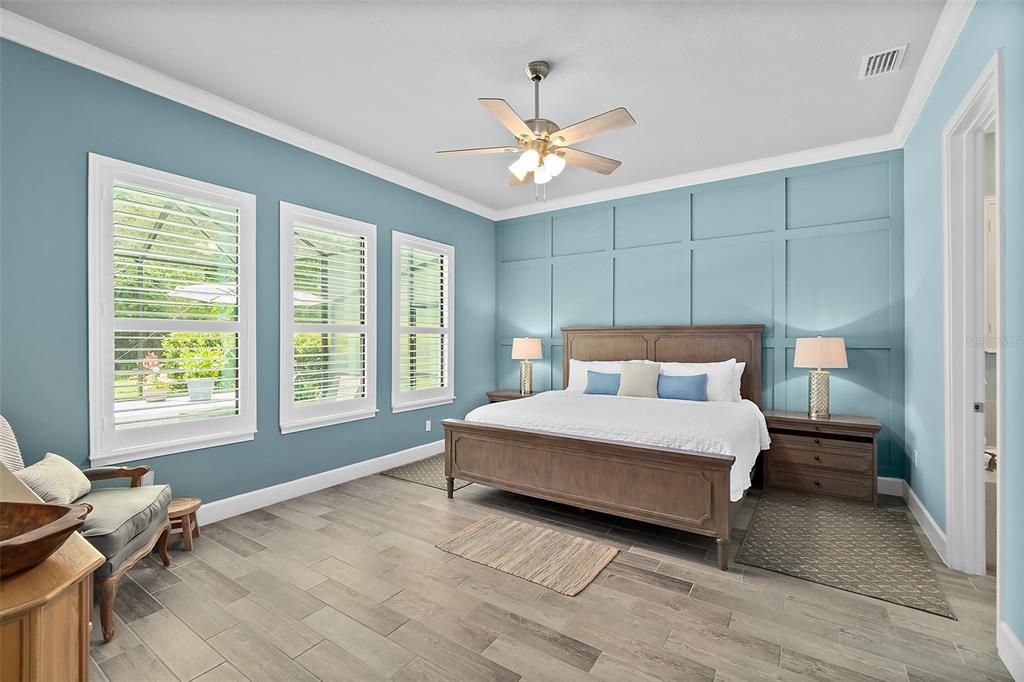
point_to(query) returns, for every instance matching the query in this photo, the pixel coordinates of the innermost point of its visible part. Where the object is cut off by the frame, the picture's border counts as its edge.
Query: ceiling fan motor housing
(541, 127)
(537, 71)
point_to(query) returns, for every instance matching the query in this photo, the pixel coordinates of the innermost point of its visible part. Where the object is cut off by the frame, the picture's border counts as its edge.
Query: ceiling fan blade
(515, 182)
(591, 162)
(506, 115)
(478, 150)
(577, 132)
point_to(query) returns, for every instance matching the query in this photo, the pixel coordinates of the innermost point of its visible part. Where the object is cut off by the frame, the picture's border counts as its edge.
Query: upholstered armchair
(124, 525)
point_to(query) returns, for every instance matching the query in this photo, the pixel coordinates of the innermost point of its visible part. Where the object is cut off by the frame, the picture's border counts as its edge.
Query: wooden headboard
(701, 343)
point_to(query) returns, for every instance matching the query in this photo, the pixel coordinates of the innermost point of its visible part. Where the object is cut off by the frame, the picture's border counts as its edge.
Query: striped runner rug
(558, 561)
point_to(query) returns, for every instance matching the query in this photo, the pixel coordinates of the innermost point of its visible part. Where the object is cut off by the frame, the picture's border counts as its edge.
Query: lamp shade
(820, 352)
(526, 349)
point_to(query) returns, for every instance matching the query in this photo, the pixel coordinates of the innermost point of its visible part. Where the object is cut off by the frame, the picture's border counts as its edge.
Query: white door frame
(963, 313)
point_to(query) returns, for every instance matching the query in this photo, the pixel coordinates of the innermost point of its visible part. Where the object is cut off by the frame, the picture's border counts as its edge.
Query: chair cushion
(146, 537)
(120, 514)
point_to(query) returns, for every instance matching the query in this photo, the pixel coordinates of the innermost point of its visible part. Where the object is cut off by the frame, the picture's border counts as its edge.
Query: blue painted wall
(51, 116)
(991, 26)
(806, 251)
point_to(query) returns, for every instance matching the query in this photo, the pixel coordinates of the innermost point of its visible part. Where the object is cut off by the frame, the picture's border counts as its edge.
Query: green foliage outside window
(198, 355)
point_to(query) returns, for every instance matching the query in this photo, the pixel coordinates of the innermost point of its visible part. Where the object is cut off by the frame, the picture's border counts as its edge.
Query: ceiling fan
(545, 147)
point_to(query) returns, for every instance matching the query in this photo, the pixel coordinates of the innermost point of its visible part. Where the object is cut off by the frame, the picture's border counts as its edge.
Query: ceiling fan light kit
(544, 146)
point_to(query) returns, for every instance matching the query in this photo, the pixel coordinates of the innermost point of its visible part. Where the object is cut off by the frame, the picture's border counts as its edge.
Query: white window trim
(299, 418)
(107, 446)
(433, 397)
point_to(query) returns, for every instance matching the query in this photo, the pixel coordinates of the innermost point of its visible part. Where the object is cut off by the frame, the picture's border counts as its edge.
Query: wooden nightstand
(836, 457)
(502, 395)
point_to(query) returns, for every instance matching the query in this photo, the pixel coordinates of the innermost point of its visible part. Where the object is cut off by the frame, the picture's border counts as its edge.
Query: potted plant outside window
(201, 367)
(155, 385)
(199, 359)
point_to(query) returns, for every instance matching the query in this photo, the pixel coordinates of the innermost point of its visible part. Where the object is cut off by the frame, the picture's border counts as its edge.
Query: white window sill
(317, 422)
(420, 404)
(159, 450)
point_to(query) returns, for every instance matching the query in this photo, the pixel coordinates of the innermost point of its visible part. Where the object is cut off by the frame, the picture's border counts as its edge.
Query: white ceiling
(709, 83)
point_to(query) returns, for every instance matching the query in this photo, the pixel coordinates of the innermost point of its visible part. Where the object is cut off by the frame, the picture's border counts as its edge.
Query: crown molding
(947, 31)
(843, 150)
(36, 36)
(31, 34)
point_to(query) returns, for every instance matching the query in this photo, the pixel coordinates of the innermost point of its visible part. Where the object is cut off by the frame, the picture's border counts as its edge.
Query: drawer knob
(817, 458)
(817, 441)
(817, 483)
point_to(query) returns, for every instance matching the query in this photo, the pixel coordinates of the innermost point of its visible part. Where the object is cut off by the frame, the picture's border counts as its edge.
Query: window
(328, 319)
(422, 311)
(171, 313)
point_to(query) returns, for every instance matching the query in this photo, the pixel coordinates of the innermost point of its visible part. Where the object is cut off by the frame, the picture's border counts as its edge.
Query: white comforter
(736, 429)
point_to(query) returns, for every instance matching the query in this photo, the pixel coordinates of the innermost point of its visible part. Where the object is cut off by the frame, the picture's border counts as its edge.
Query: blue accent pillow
(689, 387)
(600, 383)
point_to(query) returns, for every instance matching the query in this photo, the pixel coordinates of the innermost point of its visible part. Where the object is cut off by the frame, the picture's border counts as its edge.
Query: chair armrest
(105, 473)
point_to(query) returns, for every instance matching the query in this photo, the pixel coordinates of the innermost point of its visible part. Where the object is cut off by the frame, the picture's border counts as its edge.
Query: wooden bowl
(32, 531)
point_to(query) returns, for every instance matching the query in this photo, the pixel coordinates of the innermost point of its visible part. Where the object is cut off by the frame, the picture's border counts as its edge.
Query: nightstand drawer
(823, 454)
(810, 481)
(832, 444)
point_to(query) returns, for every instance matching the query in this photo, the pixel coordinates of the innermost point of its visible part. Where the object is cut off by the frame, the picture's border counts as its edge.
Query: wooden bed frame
(675, 488)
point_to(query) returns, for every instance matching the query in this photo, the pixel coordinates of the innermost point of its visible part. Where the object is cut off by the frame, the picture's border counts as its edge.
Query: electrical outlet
(915, 458)
(428, 425)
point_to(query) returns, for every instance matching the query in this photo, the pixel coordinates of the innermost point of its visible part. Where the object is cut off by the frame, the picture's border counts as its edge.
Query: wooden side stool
(182, 513)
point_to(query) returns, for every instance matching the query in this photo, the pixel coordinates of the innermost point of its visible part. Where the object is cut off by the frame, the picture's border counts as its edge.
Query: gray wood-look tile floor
(346, 584)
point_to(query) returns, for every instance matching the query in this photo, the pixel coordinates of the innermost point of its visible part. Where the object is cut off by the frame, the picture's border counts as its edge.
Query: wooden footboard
(674, 488)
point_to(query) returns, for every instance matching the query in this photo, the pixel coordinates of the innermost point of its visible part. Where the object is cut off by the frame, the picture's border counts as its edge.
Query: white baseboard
(1011, 650)
(892, 486)
(257, 499)
(931, 529)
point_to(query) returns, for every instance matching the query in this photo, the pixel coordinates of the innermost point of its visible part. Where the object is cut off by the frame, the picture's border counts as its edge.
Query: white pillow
(723, 382)
(578, 371)
(55, 480)
(740, 366)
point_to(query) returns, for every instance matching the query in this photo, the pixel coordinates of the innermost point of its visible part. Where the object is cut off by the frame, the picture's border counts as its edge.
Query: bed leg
(450, 482)
(723, 554)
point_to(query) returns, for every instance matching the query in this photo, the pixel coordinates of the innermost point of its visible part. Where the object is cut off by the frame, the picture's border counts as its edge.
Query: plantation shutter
(424, 321)
(328, 305)
(171, 313)
(176, 313)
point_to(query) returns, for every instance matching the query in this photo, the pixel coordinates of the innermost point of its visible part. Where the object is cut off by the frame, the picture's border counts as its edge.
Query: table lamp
(524, 350)
(818, 353)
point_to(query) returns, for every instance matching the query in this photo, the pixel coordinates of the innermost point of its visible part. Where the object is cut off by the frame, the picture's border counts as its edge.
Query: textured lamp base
(817, 394)
(525, 377)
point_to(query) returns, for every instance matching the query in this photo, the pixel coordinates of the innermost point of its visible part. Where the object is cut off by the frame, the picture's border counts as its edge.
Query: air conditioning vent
(882, 62)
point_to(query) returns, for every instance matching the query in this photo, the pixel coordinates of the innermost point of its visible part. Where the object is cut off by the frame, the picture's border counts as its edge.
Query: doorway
(990, 456)
(972, 303)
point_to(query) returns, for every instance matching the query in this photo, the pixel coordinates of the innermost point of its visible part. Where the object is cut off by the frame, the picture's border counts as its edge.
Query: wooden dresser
(836, 456)
(45, 611)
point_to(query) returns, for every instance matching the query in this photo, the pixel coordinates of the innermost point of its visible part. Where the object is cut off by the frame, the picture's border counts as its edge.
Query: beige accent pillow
(55, 480)
(639, 380)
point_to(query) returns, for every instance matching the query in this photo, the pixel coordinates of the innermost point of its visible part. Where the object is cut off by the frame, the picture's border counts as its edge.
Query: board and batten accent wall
(806, 251)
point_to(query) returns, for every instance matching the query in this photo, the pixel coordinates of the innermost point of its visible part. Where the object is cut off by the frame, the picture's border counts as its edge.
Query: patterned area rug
(429, 471)
(852, 546)
(558, 561)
